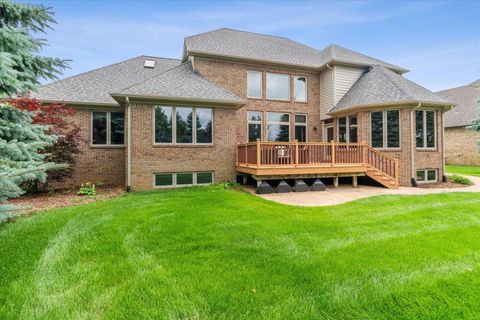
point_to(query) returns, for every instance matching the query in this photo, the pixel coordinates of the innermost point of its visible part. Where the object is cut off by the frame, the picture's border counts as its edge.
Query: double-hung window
(301, 127)
(425, 129)
(278, 86)
(183, 125)
(347, 129)
(300, 88)
(108, 128)
(254, 84)
(278, 126)
(385, 129)
(255, 120)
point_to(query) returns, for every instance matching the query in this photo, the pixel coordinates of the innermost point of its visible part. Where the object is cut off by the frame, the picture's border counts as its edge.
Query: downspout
(129, 130)
(412, 145)
(444, 176)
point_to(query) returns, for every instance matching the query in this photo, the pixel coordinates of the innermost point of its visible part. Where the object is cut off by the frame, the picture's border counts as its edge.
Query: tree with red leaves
(59, 118)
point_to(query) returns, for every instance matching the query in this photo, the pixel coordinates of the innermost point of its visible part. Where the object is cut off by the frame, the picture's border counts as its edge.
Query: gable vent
(149, 64)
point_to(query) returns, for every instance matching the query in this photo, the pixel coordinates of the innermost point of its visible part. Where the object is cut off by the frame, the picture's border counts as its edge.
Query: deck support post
(259, 182)
(244, 179)
(355, 182)
(335, 182)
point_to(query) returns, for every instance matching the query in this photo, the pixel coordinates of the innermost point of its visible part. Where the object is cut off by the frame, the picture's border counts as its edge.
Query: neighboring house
(461, 144)
(154, 122)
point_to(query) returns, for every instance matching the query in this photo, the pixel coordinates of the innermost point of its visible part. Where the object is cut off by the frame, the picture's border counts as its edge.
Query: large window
(254, 84)
(165, 180)
(278, 86)
(385, 129)
(347, 129)
(254, 120)
(108, 128)
(425, 129)
(278, 126)
(300, 88)
(301, 127)
(176, 125)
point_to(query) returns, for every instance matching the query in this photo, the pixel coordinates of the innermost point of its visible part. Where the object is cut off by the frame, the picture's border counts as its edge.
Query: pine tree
(20, 143)
(20, 67)
(475, 125)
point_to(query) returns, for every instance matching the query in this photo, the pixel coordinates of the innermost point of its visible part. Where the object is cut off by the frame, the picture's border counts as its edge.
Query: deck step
(382, 178)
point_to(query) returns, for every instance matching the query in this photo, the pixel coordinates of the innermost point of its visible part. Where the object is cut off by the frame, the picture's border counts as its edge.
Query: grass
(467, 170)
(461, 180)
(199, 253)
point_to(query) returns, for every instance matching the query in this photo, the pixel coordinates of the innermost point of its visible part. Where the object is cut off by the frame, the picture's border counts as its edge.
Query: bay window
(175, 125)
(108, 128)
(254, 125)
(278, 86)
(300, 88)
(278, 126)
(425, 124)
(385, 129)
(254, 84)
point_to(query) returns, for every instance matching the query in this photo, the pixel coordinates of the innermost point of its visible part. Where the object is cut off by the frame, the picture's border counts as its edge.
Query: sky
(439, 41)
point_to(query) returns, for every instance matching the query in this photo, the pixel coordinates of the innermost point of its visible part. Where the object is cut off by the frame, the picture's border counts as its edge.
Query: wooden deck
(269, 160)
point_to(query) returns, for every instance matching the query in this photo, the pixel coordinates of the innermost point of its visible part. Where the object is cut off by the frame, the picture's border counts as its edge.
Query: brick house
(241, 103)
(461, 144)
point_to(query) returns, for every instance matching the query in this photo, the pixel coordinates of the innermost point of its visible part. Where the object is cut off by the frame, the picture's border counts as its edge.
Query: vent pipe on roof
(149, 64)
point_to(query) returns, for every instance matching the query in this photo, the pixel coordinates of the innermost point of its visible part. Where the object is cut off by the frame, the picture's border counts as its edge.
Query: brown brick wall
(95, 164)
(461, 146)
(147, 158)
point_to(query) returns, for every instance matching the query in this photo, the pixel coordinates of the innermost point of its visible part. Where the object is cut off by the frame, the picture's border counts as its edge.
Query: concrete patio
(346, 193)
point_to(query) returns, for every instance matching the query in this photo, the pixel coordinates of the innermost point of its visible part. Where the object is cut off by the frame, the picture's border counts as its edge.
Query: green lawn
(202, 254)
(468, 170)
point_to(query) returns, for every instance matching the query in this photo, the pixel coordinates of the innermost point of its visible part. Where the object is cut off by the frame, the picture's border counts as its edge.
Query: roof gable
(380, 85)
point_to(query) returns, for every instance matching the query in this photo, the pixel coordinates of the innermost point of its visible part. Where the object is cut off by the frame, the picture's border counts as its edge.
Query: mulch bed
(62, 198)
(442, 185)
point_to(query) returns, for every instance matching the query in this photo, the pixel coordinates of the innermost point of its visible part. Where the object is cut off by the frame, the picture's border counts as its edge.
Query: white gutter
(129, 152)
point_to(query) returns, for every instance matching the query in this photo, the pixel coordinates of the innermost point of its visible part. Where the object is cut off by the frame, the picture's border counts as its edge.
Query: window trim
(425, 171)
(174, 126)
(306, 89)
(174, 179)
(109, 133)
(347, 124)
(385, 130)
(425, 148)
(300, 124)
(261, 85)
(280, 124)
(289, 84)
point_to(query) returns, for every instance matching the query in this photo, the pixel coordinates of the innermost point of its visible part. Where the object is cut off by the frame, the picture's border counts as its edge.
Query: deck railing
(294, 154)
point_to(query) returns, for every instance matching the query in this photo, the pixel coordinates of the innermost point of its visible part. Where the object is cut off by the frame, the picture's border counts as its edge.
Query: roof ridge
(393, 81)
(154, 76)
(104, 67)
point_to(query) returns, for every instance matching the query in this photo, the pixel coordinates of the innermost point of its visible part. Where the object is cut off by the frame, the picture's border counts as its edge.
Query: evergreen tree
(20, 67)
(475, 125)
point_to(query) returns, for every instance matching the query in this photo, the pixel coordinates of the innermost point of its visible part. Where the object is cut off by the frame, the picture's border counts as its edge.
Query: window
(301, 127)
(108, 128)
(427, 175)
(425, 129)
(182, 179)
(254, 84)
(278, 126)
(385, 129)
(175, 125)
(254, 120)
(347, 129)
(300, 88)
(278, 86)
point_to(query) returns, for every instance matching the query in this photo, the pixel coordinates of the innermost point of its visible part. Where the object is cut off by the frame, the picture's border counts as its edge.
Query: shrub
(461, 180)
(87, 189)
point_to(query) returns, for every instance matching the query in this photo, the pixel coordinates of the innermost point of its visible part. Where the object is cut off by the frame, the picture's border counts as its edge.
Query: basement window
(182, 179)
(427, 175)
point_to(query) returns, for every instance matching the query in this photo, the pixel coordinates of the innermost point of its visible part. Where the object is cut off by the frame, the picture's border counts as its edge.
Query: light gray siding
(326, 93)
(344, 78)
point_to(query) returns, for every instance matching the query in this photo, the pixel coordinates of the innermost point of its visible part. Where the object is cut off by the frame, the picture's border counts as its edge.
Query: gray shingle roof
(95, 86)
(467, 100)
(380, 85)
(181, 82)
(248, 45)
